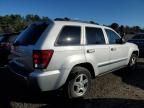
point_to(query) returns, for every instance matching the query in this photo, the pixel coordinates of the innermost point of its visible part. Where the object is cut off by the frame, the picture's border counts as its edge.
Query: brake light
(41, 58)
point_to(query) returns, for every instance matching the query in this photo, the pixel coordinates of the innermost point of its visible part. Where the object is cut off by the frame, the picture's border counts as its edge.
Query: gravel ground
(113, 90)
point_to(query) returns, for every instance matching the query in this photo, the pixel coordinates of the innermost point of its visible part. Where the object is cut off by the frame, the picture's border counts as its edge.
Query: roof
(75, 20)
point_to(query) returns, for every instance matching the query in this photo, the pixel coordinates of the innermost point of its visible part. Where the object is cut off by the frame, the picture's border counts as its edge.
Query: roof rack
(62, 19)
(75, 20)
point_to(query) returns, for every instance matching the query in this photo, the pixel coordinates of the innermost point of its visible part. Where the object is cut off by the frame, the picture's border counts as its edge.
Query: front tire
(79, 82)
(132, 62)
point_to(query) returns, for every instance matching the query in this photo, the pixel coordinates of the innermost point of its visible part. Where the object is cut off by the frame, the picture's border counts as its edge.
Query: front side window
(70, 35)
(112, 36)
(94, 36)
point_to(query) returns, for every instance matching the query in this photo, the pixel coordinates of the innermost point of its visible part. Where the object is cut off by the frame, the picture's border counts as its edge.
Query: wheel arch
(135, 52)
(132, 52)
(87, 66)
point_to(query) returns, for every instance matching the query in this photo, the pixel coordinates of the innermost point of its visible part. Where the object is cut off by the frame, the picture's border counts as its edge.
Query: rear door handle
(90, 50)
(113, 49)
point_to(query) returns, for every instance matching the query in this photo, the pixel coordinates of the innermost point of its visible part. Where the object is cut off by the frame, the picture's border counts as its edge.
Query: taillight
(41, 58)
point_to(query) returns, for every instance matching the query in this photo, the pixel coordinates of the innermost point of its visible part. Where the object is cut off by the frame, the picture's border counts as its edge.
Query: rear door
(24, 45)
(96, 50)
(68, 50)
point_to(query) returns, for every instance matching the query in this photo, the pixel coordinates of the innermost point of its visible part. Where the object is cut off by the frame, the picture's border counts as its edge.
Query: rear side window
(31, 34)
(94, 36)
(69, 35)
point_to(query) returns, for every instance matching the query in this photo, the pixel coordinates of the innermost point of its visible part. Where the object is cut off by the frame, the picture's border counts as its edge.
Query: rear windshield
(31, 34)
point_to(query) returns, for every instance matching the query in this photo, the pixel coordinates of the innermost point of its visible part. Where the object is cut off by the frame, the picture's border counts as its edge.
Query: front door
(118, 51)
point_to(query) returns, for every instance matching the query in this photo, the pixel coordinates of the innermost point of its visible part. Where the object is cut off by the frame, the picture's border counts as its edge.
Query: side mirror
(120, 41)
(123, 40)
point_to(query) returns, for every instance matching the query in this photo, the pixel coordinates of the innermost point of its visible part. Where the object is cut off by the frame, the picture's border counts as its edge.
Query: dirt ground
(113, 90)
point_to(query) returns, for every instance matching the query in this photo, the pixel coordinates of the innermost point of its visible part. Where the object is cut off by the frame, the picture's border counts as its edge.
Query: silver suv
(67, 54)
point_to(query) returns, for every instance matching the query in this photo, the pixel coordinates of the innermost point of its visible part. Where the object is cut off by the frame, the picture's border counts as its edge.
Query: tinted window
(94, 36)
(69, 35)
(31, 34)
(112, 36)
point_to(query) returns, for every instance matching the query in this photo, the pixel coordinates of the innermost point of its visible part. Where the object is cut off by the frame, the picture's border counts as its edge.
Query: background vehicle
(138, 39)
(6, 41)
(68, 53)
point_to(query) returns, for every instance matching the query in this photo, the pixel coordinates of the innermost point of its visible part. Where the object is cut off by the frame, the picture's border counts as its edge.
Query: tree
(127, 29)
(122, 31)
(136, 29)
(115, 26)
(32, 18)
(16, 23)
(44, 18)
(1, 30)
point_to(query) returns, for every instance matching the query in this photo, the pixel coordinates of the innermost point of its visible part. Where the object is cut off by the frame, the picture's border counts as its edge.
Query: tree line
(123, 30)
(16, 23)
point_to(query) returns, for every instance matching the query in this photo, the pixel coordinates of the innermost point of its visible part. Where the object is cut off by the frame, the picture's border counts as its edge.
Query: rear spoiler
(48, 21)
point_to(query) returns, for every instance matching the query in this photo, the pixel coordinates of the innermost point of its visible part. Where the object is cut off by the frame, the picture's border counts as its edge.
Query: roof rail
(75, 20)
(92, 22)
(62, 19)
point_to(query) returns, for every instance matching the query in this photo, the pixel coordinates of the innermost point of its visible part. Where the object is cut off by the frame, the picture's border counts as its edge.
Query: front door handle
(90, 50)
(113, 49)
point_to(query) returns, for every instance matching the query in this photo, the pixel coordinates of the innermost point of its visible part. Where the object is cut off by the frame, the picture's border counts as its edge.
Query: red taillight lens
(41, 58)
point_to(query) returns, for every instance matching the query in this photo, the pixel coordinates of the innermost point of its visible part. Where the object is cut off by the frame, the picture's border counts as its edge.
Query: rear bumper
(43, 81)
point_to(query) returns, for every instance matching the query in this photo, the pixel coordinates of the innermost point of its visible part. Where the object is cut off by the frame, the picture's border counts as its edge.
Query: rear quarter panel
(64, 57)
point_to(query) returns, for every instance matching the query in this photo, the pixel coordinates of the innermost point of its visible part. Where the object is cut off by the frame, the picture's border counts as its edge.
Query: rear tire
(78, 83)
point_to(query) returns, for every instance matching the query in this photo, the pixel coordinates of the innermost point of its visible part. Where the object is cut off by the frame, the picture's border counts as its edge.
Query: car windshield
(138, 36)
(31, 34)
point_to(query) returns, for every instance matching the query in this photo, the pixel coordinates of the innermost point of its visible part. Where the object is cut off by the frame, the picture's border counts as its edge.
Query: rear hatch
(21, 57)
